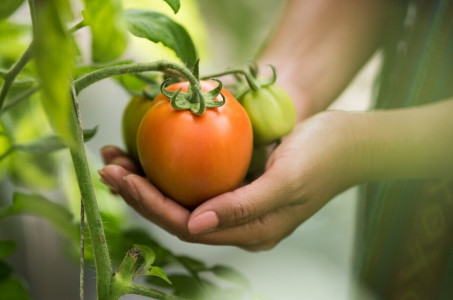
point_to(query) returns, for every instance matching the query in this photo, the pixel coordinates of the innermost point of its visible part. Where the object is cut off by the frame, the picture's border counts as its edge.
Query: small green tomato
(271, 111)
(132, 116)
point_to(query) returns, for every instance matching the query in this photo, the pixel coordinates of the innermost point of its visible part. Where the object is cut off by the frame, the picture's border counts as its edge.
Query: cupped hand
(311, 165)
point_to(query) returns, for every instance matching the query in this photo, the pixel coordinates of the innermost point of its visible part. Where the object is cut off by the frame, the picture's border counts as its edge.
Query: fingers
(113, 175)
(109, 153)
(254, 217)
(268, 193)
(263, 233)
(146, 199)
(115, 156)
(252, 229)
(158, 208)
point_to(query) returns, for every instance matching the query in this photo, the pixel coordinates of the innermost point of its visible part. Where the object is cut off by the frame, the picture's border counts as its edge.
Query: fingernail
(107, 180)
(131, 187)
(203, 222)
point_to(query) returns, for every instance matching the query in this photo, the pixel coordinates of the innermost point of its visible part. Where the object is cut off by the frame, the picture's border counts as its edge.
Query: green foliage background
(33, 159)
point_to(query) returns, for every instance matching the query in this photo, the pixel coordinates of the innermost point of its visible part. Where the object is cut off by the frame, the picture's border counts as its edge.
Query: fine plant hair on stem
(162, 65)
(82, 250)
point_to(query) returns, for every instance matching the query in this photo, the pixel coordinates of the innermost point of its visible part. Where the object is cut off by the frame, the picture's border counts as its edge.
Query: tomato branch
(90, 78)
(12, 73)
(250, 79)
(137, 289)
(162, 66)
(21, 97)
(82, 252)
(99, 243)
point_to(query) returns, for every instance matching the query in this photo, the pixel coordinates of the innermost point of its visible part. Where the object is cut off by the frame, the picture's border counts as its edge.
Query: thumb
(243, 205)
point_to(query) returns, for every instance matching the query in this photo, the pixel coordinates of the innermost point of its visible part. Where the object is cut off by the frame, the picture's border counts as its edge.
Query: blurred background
(315, 262)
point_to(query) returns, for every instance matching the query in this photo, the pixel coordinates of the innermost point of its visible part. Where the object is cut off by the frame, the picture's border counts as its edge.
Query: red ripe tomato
(192, 158)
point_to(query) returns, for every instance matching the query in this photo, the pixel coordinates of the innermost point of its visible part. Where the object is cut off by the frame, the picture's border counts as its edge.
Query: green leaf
(107, 28)
(9, 6)
(148, 255)
(231, 275)
(158, 272)
(186, 286)
(32, 170)
(137, 84)
(192, 264)
(88, 134)
(5, 150)
(39, 206)
(174, 4)
(50, 143)
(13, 42)
(42, 145)
(147, 268)
(131, 236)
(54, 53)
(13, 289)
(7, 248)
(5, 270)
(192, 288)
(157, 27)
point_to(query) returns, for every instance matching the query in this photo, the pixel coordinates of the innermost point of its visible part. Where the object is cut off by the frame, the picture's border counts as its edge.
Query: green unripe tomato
(132, 116)
(258, 162)
(271, 111)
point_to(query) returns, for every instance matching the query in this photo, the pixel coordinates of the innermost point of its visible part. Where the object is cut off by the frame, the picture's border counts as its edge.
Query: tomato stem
(272, 80)
(161, 65)
(252, 82)
(99, 243)
(12, 73)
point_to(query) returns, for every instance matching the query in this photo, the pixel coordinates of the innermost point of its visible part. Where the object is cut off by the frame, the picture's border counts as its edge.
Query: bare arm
(320, 45)
(413, 142)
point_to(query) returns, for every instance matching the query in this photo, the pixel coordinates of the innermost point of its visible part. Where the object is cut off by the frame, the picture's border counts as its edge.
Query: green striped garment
(404, 246)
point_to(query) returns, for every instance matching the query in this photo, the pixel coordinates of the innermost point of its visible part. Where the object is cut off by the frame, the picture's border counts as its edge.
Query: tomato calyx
(194, 100)
(252, 81)
(252, 78)
(270, 107)
(272, 79)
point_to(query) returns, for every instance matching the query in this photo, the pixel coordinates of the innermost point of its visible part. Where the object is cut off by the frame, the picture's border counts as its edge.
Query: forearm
(404, 143)
(320, 45)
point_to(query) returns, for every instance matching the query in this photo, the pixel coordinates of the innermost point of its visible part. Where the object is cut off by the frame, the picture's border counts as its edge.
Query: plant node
(191, 100)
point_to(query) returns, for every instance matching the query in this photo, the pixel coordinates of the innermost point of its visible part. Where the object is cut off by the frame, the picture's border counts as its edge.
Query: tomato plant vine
(57, 77)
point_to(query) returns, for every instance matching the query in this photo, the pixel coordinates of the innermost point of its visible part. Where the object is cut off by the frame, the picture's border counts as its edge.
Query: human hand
(312, 165)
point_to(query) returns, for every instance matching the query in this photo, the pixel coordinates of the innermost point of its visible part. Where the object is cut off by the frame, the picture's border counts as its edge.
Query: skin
(327, 152)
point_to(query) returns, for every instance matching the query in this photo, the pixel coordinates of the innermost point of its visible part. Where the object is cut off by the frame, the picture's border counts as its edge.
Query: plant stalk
(105, 285)
(254, 86)
(82, 251)
(90, 78)
(93, 218)
(21, 97)
(13, 72)
(137, 289)
(162, 65)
